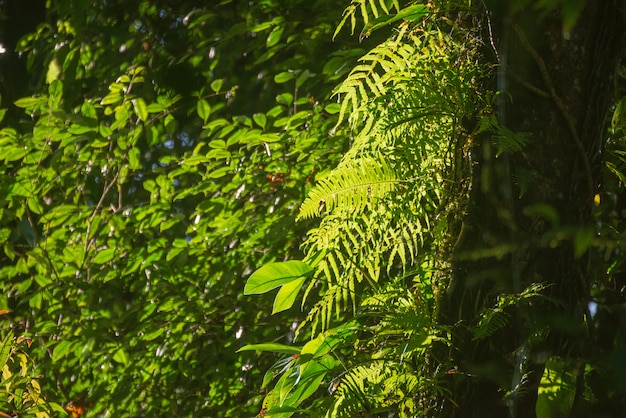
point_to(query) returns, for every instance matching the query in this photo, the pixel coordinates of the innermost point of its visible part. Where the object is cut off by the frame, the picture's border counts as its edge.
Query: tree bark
(529, 212)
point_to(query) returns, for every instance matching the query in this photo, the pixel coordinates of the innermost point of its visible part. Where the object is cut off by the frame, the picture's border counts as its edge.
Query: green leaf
(26, 102)
(55, 89)
(104, 256)
(134, 159)
(61, 349)
(311, 375)
(272, 275)
(332, 108)
(112, 98)
(410, 14)
(54, 71)
(204, 110)
(274, 37)
(5, 233)
(156, 108)
(260, 119)
(287, 295)
(557, 390)
(121, 357)
(141, 109)
(216, 85)
(284, 77)
(5, 348)
(35, 205)
(271, 347)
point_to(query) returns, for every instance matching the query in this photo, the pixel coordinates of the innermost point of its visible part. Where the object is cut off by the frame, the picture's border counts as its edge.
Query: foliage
(384, 239)
(142, 185)
(402, 101)
(166, 159)
(21, 392)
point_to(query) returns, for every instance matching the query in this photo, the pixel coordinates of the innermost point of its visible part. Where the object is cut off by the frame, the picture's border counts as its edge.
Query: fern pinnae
(351, 187)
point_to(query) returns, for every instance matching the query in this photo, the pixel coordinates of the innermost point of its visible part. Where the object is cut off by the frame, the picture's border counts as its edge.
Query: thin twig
(106, 190)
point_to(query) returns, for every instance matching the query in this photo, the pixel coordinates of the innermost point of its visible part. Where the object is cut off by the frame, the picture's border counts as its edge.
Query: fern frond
(350, 188)
(380, 68)
(490, 322)
(496, 317)
(368, 9)
(523, 179)
(351, 396)
(507, 141)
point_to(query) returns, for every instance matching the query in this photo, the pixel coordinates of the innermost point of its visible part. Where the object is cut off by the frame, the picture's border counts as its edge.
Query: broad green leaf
(104, 256)
(35, 205)
(287, 295)
(220, 172)
(557, 390)
(134, 158)
(272, 275)
(5, 348)
(55, 89)
(332, 108)
(272, 347)
(274, 37)
(311, 375)
(284, 77)
(203, 109)
(216, 85)
(260, 119)
(156, 108)
(112, 98)
(284, 386)
(121, 357)
(54, 71)
(5, 233)
(88, 110)
(316, 347)
(61, 350)
(285, 99)
(26, 102)
(141, 109)
(218, 144)
(261, 27)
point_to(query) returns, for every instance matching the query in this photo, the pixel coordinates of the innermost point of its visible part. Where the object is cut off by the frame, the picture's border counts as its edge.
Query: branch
(106, 190)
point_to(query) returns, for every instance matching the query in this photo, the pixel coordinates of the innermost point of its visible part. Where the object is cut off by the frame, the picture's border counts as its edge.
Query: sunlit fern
(379, 209)
(365, 11)
(379, 204)
(350, 187)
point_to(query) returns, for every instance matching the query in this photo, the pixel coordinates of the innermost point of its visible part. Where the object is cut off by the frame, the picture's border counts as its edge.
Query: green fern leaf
(350, 188)
(508, 141)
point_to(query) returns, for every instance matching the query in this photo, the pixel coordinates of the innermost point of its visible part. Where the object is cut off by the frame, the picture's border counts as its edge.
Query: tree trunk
(530, 212)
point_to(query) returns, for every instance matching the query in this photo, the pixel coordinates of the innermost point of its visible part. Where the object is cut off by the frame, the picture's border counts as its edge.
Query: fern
(497, 317)
(523, 179)
(491, 321)
(380, 69)
(351, 187)
(380, 208)
(368, 10)
(507, 141)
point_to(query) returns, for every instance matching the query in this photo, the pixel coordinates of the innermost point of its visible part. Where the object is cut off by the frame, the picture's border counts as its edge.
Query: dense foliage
(160, 158)
(163, 160)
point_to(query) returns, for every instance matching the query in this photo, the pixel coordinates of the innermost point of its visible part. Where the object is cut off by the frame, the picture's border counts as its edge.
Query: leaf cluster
(379, 209)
